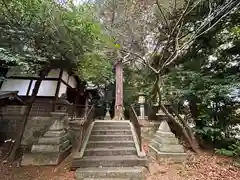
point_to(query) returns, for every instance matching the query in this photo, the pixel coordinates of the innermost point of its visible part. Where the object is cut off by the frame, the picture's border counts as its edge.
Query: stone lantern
(61, 104)
(141, 101)
(55, 144)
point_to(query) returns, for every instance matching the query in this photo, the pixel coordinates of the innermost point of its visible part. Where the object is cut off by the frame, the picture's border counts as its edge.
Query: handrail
(84, 126)
(136, 124)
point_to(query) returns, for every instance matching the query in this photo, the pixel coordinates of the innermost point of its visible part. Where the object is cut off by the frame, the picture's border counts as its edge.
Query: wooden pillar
(118, 111)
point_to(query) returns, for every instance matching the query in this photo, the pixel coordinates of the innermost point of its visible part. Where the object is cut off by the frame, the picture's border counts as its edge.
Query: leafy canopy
(39, 33)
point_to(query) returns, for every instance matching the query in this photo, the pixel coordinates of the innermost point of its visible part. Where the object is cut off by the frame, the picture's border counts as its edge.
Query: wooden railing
(84, 126)
(136, 124)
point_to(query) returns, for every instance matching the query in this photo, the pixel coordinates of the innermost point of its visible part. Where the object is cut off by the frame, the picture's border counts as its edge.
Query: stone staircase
(110, 153)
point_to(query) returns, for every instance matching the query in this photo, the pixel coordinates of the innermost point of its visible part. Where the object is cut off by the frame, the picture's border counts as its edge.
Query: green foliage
(210, 133)
(95, 68)
(207, 76)
(232, 150)
(36, 33)
(225, 152)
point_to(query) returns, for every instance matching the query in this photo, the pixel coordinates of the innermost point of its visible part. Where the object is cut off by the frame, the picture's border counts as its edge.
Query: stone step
(111, 132)
(107, 127)
(111, 138)
(164, 134)
(105, 179)
(111, 173)
(55, 133)
(110, 151)
(114, 123)
(109, 161)
(176, 157)
(169, 148)
(42, 148)
(52, 140)
(45, 158)
(109, 144)
(166, 140)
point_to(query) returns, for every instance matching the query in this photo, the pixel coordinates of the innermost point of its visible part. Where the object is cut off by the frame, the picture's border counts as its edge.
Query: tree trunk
(118, 111)
(24, 121)
(187, 127)
(193, 108)
(184, 133)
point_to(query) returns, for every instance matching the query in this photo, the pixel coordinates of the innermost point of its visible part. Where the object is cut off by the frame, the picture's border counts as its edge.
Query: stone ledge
(38, 148)
(129, 173)
(54, 133)
(166, 140)
(42, 159)
(53, 140)
(165, 134)
(171, 148)
(161, 156)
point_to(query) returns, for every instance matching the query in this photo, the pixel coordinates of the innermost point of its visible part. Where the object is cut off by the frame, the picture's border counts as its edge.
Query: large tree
(157, 35)
(209, 80)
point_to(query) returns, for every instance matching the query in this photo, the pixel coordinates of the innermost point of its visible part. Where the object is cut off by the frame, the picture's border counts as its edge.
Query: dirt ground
(205, 165)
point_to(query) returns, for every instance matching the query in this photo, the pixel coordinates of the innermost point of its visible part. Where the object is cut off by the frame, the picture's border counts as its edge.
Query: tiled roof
(5, 94)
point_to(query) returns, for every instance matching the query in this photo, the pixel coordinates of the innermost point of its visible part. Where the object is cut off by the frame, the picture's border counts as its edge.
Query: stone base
(162, 156)
(45, 159)
(165, 145)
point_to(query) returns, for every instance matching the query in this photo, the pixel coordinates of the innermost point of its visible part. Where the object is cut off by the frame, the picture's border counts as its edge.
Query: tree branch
(169, 60)
(173, 30)
(164, 17)
(143, 62)
(196, 35)
(194, 6)
(113, 13)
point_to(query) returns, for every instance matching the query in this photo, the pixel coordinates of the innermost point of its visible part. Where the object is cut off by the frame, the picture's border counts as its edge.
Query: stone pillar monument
(141, 101)
(55, 144)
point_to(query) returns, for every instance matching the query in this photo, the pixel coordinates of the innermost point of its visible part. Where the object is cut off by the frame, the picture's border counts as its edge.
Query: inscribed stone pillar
(141, 101)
